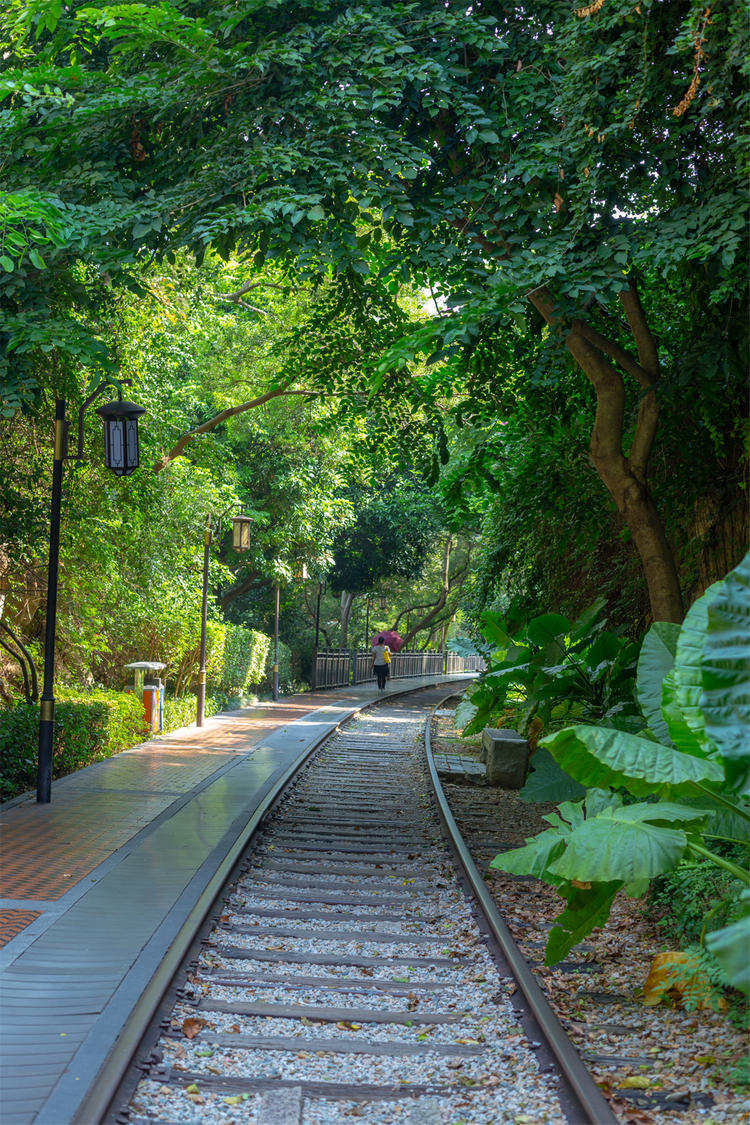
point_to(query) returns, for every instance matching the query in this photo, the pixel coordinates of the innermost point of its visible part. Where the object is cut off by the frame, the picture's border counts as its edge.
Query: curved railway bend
(349, 972)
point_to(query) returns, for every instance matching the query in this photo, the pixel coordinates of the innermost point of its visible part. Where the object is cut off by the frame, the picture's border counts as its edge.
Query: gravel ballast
(399, 920)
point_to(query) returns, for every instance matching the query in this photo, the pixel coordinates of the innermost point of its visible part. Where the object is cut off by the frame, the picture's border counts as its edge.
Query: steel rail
(590, 1097)
(101, 1095)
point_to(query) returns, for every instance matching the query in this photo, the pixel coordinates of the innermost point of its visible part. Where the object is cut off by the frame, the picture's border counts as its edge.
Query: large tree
(533, 152)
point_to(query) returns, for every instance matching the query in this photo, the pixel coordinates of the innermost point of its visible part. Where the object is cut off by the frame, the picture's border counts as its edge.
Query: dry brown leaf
(680, 977)
(191, 1026)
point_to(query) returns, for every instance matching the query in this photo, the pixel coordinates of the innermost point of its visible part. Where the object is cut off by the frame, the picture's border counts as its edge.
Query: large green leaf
(730, 947)
(585, 625)
(598, 756)
(659, 812)
(587, 908)
(534, 858)
(465, 712)
(687, 667)
(724, 823)
(542, 630)
(605, 849)
(655, 662)
(494, 629)
(548, 782)
(680, 734)
(725, 671)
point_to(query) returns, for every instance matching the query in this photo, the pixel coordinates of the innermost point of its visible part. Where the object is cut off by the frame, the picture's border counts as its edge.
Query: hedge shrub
(245, 658)
(179, 711)
(87, 729)
(286, 680)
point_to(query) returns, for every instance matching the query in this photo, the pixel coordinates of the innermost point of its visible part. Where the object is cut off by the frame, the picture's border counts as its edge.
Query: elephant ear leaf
(605, 849)
(654, 664)
(547, 782)
(729, 946)
(548, 627)
(534, 858)
(602, 757)
(680, 734)
(688, 675)
(588, 907)
(585, 625)
(725, 673)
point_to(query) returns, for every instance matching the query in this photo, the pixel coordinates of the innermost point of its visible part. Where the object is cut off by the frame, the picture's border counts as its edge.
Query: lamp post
(276, 647)
(241, 526)
(367, 622)
(121, 456)
(321, 591)
(200, 704)
(241, 542)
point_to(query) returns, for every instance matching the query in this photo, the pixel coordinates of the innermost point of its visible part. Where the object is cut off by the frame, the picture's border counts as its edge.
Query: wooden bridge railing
(340, 667)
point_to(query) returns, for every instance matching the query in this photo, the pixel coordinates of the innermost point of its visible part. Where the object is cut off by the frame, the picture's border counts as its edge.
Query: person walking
(381, 659)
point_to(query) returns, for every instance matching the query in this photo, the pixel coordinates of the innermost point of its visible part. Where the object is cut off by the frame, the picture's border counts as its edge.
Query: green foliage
(244, 660)
(180, 711)
(87, 729)
(286, 678)
(729, 946)
(600, 845)
(693, 898)
(548, 668)
(389, 537)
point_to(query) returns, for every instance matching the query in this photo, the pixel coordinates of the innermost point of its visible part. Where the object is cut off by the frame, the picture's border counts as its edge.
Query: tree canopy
(575, 176)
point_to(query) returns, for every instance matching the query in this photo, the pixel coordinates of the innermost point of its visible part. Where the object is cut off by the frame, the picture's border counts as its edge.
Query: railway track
(350, 973)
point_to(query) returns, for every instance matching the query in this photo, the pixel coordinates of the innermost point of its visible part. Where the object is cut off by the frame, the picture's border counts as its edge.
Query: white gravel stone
(495, 1086)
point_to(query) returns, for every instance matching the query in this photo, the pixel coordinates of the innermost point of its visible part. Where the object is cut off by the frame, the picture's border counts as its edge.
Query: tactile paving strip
(13, 921)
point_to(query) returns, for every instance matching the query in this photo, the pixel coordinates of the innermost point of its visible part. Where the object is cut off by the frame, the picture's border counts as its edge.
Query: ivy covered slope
(585, 163)
(678, 789)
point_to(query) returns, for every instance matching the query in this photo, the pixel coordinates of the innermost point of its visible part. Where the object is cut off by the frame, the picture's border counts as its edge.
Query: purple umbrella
(391, 638)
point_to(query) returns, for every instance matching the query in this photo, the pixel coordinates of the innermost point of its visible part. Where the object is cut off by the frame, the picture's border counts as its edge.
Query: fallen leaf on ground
(192, 1026)
(680, 977)
(635, 1082)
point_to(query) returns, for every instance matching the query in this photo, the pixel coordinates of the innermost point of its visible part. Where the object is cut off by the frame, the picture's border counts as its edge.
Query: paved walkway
(101, 889)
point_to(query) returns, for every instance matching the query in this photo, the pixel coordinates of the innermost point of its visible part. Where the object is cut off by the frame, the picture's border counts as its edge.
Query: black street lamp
(241, 542)
(121, 435)
(200, 706)
(367, 622)
(321, 591)
(121, 444)
(276, 647)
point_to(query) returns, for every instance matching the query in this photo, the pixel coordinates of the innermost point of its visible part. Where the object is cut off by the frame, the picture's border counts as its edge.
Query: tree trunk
(433, 612)
(625, 474)
(347, 601)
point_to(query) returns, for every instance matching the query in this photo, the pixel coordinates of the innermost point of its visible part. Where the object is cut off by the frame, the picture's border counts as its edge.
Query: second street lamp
(241, 526)
(200, 710)
(241, 542)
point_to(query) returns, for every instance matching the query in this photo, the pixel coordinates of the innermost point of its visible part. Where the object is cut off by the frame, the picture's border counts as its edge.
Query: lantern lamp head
(300, 572)
(383, 601)
(241, 532)
(121, 435)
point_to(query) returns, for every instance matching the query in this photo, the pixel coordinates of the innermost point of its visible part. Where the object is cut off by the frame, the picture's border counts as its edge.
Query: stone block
(281, 1107)
(494, 732)
(506, 755)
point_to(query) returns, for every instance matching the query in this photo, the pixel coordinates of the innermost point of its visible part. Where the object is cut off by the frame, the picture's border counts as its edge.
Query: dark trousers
(381, 671)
